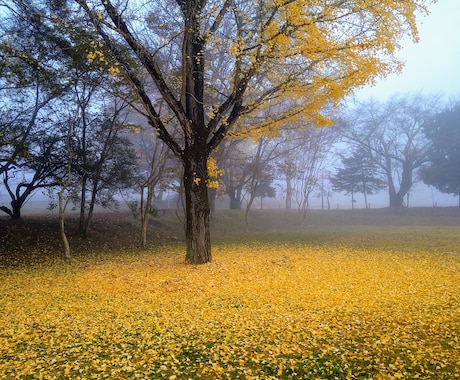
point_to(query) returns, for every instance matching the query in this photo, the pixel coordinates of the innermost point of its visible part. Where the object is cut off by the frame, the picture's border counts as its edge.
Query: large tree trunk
(197, 210)
(16, 207)
(397, 197)
(195, 153)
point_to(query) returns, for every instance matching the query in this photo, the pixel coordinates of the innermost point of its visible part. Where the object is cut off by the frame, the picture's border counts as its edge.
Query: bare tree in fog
(295, 144)
(233, 159)
(392, 136)
(158, 170)
(310, 162)
(260, 172)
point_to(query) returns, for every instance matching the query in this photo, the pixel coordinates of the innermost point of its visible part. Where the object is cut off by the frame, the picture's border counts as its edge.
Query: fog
(432, 64)
(420, 196)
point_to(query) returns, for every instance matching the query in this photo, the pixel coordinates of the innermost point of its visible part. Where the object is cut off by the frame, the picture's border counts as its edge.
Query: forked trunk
(16, 207)
(15, 211)
(197, 210)
(396, 200)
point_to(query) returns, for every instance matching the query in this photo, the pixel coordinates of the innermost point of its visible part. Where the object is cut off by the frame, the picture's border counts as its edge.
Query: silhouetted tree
(233, 157)
(443, 169)
(32, 88)
(359, 174)
(391, 135)
(311, 159)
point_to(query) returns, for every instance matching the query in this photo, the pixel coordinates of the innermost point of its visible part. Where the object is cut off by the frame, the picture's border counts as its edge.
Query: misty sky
(433, 64)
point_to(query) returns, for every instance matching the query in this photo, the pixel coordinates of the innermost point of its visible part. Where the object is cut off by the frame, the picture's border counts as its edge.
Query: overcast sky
(433, 64)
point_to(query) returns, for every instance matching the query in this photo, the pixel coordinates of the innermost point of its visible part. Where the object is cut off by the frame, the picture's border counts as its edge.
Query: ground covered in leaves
(380, 303)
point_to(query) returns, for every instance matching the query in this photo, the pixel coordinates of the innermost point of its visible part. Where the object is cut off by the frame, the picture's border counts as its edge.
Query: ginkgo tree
(291, 57)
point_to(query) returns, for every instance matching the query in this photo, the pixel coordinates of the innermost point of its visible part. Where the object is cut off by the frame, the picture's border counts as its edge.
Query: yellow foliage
(97, 56)
(314, 53)
(114, 71)
(258, 311)
(213, 174)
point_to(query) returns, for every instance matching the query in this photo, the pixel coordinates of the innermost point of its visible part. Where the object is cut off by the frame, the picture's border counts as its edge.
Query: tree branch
(140, 51)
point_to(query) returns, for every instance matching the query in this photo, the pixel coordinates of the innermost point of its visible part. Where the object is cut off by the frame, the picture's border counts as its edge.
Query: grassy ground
(35, 239)
(346, 297)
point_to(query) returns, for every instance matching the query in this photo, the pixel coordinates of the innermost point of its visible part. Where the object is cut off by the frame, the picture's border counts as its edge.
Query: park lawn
(382, 304)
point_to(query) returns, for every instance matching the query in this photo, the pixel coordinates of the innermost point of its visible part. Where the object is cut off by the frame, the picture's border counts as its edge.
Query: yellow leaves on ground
(258, 311)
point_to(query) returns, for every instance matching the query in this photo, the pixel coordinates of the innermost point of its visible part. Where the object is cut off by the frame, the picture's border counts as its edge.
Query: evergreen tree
(359, 174)
(443, 170)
